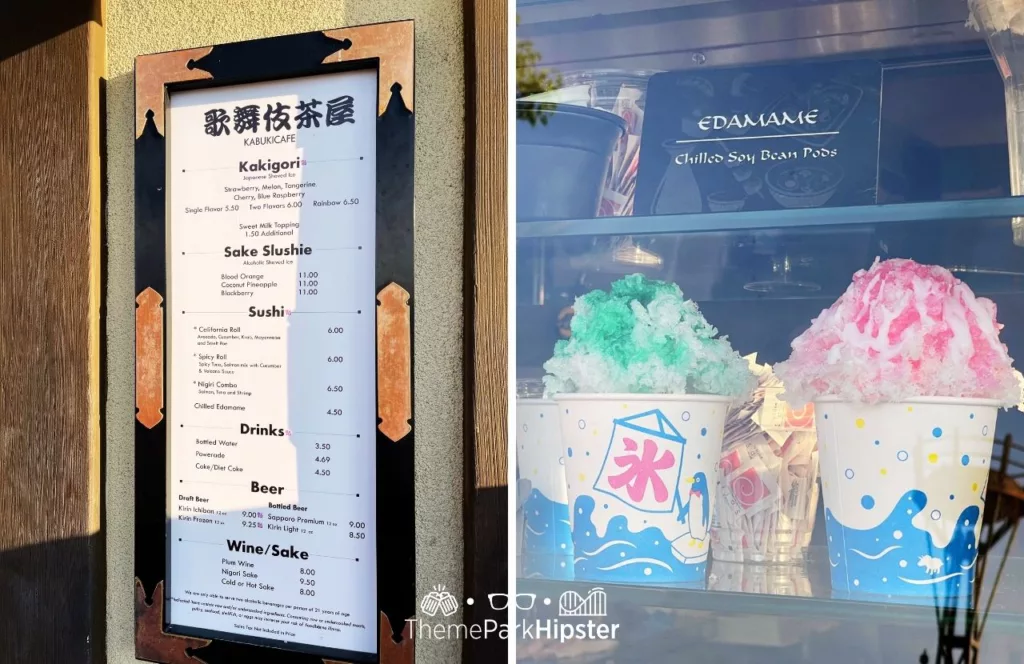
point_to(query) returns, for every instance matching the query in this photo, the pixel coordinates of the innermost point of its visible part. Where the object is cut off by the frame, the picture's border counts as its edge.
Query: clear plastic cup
(790, 580)
(768, 498)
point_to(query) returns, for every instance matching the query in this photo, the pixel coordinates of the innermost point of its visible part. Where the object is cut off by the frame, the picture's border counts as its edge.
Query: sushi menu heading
(271, 255)
(792, 136)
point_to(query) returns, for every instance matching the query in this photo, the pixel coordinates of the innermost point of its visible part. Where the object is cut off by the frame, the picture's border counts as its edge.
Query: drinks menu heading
(271, 468)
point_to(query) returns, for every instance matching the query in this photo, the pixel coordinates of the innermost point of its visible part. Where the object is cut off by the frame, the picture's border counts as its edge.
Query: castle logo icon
(594, 605)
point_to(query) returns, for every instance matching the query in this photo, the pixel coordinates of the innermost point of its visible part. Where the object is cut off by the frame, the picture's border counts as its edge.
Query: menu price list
(272, 529)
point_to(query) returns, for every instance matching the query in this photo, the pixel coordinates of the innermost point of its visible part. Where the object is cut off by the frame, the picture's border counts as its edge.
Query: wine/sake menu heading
(271, 361)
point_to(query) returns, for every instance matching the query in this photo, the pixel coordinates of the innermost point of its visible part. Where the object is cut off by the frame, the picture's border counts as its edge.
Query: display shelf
(691, 34)
(989, 209)
(1007, 610)
(773, 255)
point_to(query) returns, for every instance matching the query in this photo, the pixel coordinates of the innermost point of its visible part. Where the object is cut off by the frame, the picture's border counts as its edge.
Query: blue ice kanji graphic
(643, 463)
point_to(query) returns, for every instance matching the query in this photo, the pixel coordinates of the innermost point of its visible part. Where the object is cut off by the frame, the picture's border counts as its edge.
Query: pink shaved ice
(902, 330)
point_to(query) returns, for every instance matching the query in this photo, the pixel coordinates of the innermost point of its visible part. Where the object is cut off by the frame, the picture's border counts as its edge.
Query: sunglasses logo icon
(523, 601)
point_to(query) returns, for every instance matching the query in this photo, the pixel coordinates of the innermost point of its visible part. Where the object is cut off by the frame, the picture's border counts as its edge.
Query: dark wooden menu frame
(389, 49)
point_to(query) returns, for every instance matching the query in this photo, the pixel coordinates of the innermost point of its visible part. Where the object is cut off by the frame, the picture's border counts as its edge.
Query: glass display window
(769, 289)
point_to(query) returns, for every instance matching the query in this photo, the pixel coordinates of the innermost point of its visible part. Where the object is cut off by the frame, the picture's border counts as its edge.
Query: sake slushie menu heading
(272, 530)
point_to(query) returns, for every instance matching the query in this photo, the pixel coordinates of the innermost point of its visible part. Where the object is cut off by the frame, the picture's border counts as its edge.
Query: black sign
(789, 136)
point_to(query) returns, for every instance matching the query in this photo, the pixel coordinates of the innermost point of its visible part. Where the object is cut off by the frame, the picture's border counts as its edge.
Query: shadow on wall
(42, 617)
(27, 23)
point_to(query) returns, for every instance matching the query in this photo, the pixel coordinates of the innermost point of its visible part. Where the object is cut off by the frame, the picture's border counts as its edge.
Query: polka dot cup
(904, 487)
(546, 549)
(640, 472)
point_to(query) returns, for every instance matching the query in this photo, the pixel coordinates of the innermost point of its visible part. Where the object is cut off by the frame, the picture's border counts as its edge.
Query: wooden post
(486, 298)
(51, 543)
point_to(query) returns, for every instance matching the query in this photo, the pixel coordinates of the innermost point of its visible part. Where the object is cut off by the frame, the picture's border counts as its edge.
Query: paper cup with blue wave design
(904, 490)
(640, 471)
(547, 544)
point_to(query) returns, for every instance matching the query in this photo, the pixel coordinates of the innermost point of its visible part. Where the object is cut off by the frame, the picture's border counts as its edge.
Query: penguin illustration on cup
(695, 511)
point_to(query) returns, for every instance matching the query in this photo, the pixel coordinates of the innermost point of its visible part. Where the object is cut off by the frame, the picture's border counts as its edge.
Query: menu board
(271, 465)
(760, 138)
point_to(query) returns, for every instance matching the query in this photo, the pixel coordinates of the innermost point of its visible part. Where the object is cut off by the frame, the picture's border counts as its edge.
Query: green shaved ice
(643, 290)
(644, 337)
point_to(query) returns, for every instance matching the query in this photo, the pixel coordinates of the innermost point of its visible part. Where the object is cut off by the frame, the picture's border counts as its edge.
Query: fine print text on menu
(272, 512)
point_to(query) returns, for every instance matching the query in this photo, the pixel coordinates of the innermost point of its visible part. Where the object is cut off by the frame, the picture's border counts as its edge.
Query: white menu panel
(271, 361)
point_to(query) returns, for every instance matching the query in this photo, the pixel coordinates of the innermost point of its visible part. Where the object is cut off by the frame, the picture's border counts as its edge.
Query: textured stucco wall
(135, 28)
